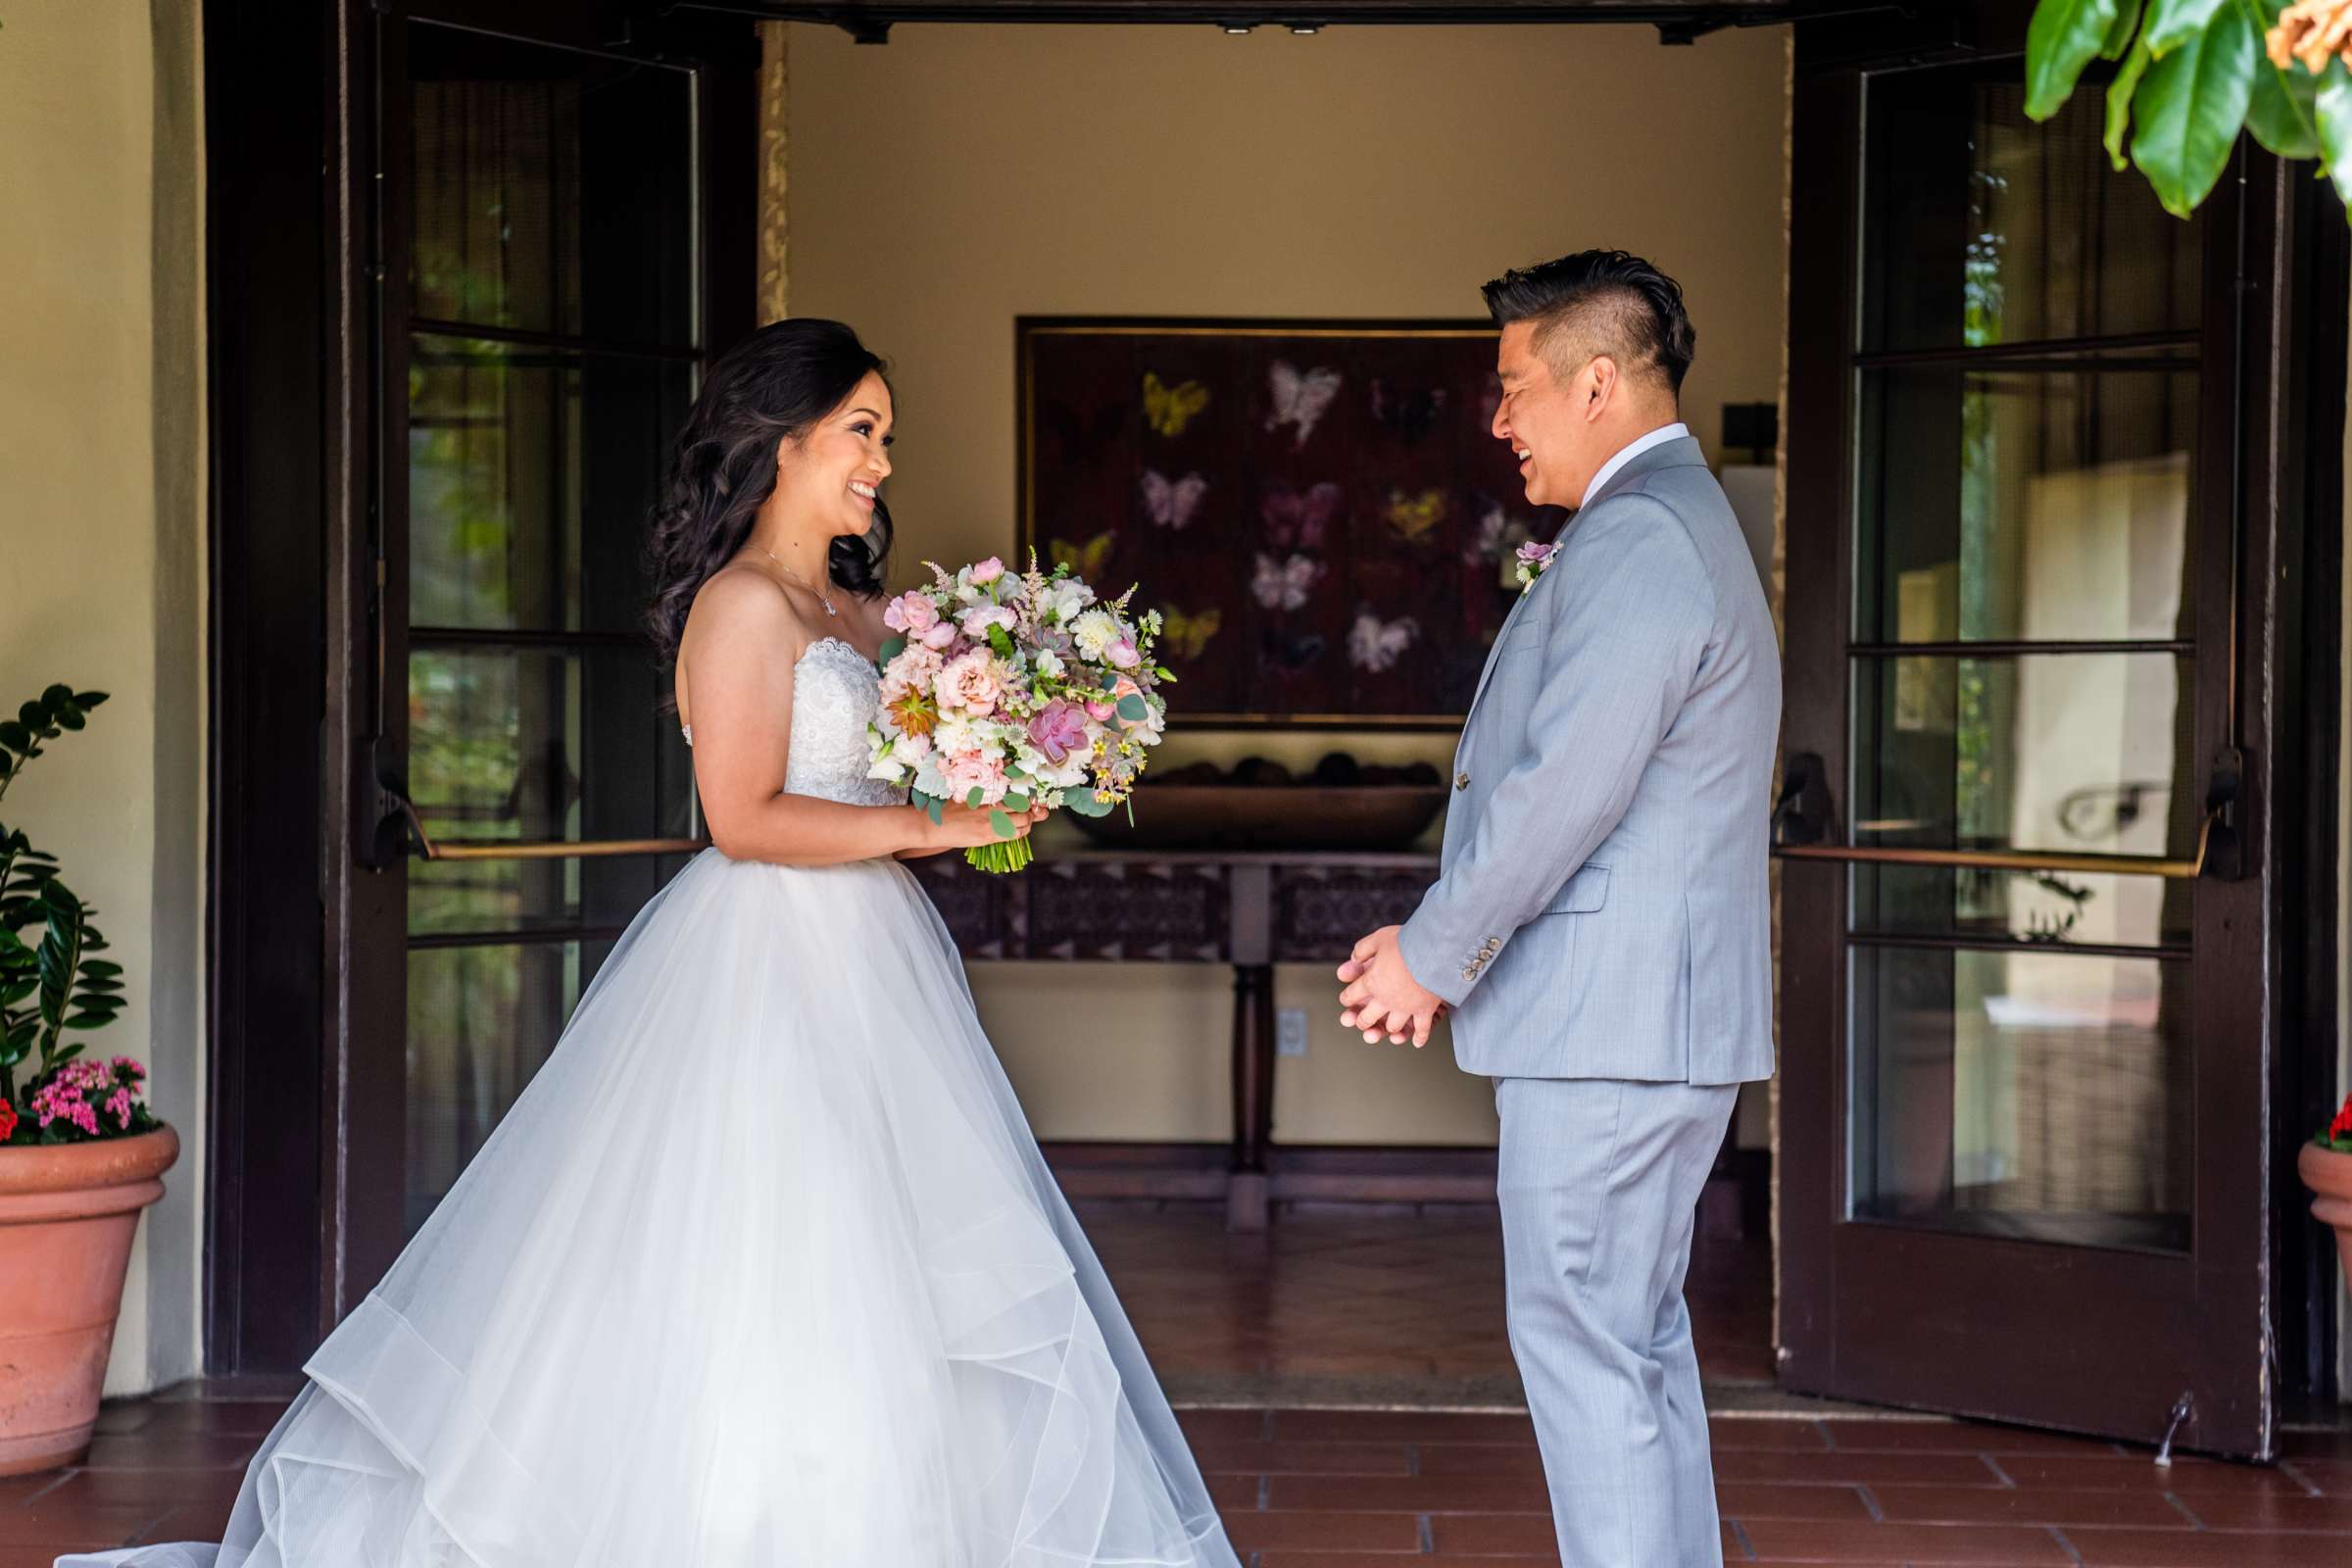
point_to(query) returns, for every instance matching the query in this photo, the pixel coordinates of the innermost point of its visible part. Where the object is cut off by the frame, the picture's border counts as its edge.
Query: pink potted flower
(80, 1154)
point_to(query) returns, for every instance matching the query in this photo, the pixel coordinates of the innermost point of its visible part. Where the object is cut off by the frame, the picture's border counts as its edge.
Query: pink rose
(1099, 712)
(976, 620)
(975, 770)
(989, 571)
(915, 668)
(969, 682)
(912, 613)
(1121, 654)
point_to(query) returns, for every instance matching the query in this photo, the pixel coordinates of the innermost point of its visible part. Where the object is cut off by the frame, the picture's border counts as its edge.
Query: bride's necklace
(822, 597)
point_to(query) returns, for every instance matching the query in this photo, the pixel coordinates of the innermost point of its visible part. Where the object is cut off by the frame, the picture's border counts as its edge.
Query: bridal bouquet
(1013, 689)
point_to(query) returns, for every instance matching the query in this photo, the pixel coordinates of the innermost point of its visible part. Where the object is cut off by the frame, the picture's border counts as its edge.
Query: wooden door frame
(2265, 524)
(306, 941)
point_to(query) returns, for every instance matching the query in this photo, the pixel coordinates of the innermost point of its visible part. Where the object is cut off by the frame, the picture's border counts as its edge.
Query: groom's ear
(1596, 384)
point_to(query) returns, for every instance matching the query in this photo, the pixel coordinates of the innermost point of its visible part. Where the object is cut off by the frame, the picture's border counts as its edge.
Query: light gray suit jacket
(1600, 909)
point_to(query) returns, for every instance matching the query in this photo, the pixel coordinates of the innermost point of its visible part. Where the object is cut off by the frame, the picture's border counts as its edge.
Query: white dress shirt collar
(1628, 452)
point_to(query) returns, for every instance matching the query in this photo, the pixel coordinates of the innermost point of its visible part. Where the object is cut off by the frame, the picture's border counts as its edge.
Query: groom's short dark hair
(1600, 302)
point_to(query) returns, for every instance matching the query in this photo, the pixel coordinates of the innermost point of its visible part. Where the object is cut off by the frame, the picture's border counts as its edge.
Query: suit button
(1469, 975)
(1461, 781)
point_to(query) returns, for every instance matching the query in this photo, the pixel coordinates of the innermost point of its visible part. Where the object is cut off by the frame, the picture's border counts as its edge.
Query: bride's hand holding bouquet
(1014, 694)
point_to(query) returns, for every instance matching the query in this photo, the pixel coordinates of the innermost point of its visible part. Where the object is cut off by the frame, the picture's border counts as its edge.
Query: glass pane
(2034, 505)
(531, 745)
(554, 190)
(530, 474)
(481, 1021)
(2059, 907)
(1984, 229)
(2040, 1095)
(2067, 752)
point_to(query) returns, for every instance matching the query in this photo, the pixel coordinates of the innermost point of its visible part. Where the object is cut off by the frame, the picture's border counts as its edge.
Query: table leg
(1245, 1187)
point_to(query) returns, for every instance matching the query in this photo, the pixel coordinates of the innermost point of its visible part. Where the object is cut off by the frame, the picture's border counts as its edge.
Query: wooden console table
(1250, 910)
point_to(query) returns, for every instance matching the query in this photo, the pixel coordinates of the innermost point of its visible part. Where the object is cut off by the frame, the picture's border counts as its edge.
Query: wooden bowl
(1269, 817)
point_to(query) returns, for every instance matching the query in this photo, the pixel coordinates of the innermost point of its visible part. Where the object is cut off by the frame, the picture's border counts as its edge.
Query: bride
(764, 1268)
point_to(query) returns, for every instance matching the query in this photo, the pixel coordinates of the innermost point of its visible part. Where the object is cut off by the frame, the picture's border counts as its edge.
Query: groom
(1600, 926)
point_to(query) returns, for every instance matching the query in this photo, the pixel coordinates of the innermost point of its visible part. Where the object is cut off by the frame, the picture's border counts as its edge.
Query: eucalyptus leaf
(2190, 107)
(973, 799)
(890, 650)
(2172, 23)
(1018, 801)
(1000, 824)
(2062, 39)
(1133, 711)
(1082, 801)
(2119, 101)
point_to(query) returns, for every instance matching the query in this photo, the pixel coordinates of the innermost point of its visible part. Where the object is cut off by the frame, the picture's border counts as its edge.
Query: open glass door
(2022, 1022)
(558, 272)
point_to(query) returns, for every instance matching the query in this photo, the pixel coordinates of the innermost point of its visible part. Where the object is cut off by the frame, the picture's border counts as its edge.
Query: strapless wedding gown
(763, 1269)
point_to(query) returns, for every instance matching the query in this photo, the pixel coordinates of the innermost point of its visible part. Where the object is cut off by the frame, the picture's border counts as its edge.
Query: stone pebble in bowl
(1261, 805)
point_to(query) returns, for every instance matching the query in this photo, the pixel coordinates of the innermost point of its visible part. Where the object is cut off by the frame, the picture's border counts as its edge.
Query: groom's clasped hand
(1381, 997)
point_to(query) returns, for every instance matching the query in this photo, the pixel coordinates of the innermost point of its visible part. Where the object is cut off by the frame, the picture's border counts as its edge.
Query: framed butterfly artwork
(1316, 507)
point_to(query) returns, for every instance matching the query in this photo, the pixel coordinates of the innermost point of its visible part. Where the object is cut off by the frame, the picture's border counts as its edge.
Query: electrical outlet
(1290, 1032)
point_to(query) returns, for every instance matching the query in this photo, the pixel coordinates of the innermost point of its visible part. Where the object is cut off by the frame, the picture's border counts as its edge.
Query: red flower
(8, 1120)
(2341, 1127)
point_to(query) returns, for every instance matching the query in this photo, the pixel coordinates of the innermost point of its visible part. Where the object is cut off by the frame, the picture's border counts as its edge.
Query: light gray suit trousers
(1601, 929)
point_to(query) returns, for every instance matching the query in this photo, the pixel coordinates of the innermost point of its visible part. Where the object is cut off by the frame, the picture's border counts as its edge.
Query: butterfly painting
(1375, 645)
(1187, 636)
(1309, 505)
(1408, 414)
(1086, 559)
(1413, 516)
(1296, 521)
(1169, 408)
(1300, 398)
(1171, 503)
(1285, 584)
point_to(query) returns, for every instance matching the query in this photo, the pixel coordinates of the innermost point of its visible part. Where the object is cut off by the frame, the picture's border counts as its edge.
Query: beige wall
(100, 461)
(960, 176)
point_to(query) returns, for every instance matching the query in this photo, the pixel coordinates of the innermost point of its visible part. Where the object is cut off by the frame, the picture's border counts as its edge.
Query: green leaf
(2334, 107)
(2190, 107)
(2060, 41)
(937, 808)
(1018, 801)
(2175, 22)
(2283, 117)
(973, 799)
(85, 700)
(1082, 800)
(101, 969)
(890, 650)
(2119, 101)
(1000, 824)
(1000, 640)
(1133, 711)
(2119, 37)
(14, 736)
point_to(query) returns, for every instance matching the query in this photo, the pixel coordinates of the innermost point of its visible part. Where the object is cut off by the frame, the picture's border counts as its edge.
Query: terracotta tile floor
(1360, 1488)
(1329, 1306)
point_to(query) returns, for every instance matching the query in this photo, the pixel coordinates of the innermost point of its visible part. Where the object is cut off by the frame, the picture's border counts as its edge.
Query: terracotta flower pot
(68, 1214)
(2328, 1175)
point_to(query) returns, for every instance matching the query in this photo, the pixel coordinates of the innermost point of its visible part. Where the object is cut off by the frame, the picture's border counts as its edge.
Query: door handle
(1804, 817)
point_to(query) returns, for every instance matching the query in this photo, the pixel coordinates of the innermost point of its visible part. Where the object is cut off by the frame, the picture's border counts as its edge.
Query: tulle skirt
(763, 1269)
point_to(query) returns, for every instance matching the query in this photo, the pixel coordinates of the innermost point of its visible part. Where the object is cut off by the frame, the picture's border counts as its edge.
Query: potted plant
(2326, 1164)
(80, 1154)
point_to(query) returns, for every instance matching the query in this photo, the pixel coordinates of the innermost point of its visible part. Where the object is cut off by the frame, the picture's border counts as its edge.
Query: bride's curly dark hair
(775, 383)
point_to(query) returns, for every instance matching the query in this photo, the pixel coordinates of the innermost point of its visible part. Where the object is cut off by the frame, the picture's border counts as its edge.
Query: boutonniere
(1533, 560)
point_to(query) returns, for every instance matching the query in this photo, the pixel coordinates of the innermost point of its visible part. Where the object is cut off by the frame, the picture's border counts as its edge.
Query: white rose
(1049, 664)
(1094, 632)
(1066, 599)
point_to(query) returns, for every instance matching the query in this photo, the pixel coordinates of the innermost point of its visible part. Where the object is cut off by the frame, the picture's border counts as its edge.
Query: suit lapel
(1681, 451)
